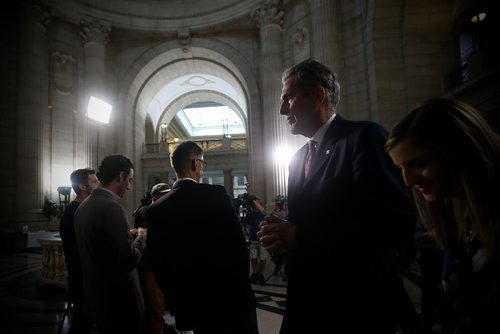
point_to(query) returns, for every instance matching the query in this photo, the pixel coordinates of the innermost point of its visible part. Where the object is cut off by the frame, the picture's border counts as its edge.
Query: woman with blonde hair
(450, 158)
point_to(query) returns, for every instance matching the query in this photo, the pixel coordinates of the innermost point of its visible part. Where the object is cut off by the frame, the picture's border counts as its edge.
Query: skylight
(209, 119)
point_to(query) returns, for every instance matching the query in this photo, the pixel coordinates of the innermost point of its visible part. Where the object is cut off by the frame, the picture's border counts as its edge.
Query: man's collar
(320, 134)
(113, 194)
(184, 179)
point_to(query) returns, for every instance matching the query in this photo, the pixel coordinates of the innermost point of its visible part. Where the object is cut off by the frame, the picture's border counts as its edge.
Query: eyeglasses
(203, 162)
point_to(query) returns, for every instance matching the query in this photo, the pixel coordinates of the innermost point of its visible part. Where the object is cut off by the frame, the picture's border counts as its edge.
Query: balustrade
(54, 270)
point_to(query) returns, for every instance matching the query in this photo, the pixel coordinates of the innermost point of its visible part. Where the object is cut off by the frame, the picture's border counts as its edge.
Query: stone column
(94, 37)
(269, 18)
(324, 30)
(228, 182)
(32, 105)
(326, 45)
(62, 141)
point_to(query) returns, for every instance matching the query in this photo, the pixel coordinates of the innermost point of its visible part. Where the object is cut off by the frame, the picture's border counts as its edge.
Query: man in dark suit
(83, 182)
(198, 252)
(349, 218)
(109, 252)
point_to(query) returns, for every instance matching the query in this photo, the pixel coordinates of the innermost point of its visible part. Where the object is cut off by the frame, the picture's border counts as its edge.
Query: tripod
(279, 267)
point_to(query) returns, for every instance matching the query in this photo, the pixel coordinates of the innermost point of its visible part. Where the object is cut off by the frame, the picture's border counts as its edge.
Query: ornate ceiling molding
(160, 16)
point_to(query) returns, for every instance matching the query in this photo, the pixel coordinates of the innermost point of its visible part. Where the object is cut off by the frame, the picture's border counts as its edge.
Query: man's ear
(82, 187)
(121, 177)
(193, 164)
(319, 94)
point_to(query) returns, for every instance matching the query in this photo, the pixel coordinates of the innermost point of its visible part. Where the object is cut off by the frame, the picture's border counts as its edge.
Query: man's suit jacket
(352, 218)
(109, 257)
(199, 256)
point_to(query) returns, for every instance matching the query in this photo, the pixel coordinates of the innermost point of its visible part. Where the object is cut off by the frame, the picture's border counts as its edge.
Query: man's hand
(139, 232)
(277, 235)
(143, 233)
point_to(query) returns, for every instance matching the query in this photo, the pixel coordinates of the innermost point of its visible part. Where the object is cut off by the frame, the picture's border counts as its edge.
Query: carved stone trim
(53, 264)
(299, 37)
(270, 12)
(63, 70)
(197, 81)
(93, 30)
(37, 12)
(184, 39)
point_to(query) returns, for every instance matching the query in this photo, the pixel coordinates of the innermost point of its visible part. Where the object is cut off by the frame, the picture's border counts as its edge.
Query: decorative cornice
(184, 39)
(270, 12)
(157, 16)
(94, 30)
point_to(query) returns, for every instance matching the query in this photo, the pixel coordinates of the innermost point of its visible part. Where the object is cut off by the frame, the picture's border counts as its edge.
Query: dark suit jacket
(71, 256)
(109, 256)
(199, 255)
(353, 217)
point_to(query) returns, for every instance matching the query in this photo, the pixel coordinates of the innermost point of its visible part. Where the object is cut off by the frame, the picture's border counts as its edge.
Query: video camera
(244, 204)
(246, 200)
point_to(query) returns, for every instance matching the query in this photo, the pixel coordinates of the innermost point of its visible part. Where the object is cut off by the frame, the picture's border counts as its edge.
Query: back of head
(183, 154)
(309, 73)
(111, 167)
(80, 176)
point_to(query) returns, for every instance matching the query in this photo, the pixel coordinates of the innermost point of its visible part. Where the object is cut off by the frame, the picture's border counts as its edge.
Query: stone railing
(54, 270)
(206, 145)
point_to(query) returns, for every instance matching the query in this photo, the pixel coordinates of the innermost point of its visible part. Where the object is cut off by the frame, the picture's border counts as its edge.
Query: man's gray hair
(310, 73)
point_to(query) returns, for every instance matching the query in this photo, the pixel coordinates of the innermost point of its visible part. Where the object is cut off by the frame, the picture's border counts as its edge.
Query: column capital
(38, 13)
(269, 13)
(94, 31)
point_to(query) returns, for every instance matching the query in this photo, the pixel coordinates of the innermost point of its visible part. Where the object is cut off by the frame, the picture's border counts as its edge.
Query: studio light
(99, 110)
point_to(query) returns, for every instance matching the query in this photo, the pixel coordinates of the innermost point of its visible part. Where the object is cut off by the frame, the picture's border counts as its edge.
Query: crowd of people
(344, 233)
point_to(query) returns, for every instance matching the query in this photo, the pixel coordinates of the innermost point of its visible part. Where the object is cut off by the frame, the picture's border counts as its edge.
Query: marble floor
(26, 306)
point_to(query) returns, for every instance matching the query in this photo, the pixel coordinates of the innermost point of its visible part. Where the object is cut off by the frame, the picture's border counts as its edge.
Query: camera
(244, 204)
(246, 200)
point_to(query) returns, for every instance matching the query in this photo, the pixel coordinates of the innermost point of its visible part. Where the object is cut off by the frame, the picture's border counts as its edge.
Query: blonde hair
(470, 150)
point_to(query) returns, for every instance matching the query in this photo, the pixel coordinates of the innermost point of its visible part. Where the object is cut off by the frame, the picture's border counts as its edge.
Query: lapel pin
(327, 152)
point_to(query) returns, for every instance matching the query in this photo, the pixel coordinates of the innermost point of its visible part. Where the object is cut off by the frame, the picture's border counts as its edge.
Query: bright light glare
(60, 176)
(282, 155)
(478, 17)
(99, 110)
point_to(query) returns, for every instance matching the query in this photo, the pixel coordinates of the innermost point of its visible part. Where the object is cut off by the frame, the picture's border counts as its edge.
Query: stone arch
(132, 99)
(199, 96)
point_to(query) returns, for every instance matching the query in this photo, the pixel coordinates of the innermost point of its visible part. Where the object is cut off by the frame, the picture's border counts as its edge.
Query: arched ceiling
(193, 82)
(170, 82)
(158, 15)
